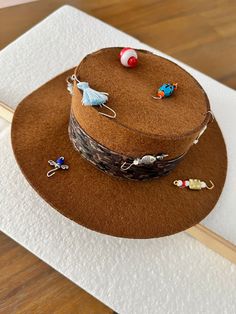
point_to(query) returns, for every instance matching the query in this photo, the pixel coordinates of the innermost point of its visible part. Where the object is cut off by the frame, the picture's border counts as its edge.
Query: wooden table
(199, 33)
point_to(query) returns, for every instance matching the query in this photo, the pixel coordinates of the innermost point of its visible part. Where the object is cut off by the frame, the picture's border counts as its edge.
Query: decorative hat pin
(58, 164)
(165, 90)
(128, 57)
(193, 184)
(91, 97)
(146, 160)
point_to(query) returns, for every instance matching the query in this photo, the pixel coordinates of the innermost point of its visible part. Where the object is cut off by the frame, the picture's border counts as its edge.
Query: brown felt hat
(109, 204)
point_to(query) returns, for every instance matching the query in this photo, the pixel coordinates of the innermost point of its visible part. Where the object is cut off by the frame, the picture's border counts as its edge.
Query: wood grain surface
(28, 285)
(197, 32)
(9, 3)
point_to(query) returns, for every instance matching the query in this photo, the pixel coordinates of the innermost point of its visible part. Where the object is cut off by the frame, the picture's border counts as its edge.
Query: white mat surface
(3, 125)
(169, 275)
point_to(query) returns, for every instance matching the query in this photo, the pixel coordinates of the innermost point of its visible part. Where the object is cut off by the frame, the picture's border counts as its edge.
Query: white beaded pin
(193, 184)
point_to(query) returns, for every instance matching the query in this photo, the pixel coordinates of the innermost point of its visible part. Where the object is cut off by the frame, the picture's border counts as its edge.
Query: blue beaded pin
(58, 164)
(91, 97)
(165, 90)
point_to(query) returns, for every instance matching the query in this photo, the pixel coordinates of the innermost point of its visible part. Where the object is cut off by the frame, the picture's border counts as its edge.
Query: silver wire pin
(145, 160)
(58, 164)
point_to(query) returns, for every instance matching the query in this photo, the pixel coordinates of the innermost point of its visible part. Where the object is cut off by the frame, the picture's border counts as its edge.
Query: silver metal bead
(70, 88)
(147, 160)
(161, 156)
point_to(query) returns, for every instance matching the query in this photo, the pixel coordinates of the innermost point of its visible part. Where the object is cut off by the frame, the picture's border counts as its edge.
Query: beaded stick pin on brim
(193, 184)
(91, 97)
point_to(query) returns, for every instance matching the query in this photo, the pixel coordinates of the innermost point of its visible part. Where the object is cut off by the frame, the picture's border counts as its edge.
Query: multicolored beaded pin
(193, 184)
(165, 90)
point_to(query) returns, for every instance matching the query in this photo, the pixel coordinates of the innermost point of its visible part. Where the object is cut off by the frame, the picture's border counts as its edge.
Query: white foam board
(167, 275)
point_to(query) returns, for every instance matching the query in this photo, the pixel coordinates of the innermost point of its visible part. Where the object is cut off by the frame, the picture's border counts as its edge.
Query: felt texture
(142, 125)
(167, 275)
(100, 202)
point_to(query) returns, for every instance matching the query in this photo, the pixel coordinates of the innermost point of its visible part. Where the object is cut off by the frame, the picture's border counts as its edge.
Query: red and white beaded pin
(193, 184)
(128, 57)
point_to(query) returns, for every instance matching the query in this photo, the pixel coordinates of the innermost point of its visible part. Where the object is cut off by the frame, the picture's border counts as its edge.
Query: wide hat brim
(98, 201)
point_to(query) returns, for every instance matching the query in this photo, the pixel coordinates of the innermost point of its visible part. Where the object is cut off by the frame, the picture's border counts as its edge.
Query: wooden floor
(9, 3)
(27, 285)
(198, 32)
